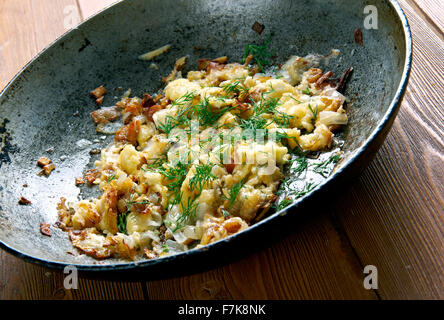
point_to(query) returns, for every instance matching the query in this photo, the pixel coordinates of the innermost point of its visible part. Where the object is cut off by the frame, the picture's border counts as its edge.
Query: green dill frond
(111, 178)
(234, 192)
(256, 120)
(235, 87)
(301, 166)
(314, 112)
(155, 163)
(121, 222)
(261, 54)
(306, 91)
(188, 213)
(175, 175)
(186, 98)
(291, 97)
(324, 168)
(283, 204)
(310, 186)
(168, 125)
(282, 119)
(202, 177)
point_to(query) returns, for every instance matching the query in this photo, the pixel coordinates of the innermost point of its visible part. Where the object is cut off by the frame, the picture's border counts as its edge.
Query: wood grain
(26, 28)
(391, 217)
(316, 262)
(24, 281)
(433, 10)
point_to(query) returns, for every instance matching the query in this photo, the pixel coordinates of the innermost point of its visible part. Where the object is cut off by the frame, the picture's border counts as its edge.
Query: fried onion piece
(128, 133)
(98, 92)
(178, 66)
(65, 214)
(45, 229)
(152, 110)
(91, 176)
(105, 115)
(92, 243)
(24, 202)
(109, 218)
(43, 161)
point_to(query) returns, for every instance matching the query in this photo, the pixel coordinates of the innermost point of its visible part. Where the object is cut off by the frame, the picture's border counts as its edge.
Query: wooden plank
(20, 280)
(394, 213)
(315, 262)
(89, 8)
(434, 10)
(27, 27)
(24, 281)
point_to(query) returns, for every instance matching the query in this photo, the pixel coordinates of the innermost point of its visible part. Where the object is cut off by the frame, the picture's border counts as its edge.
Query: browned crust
(358, 36)
(259, 28)
(45, 229)
(321, 81)
(24, 202)
(98, 92)
(91, 175)
(43, 161)
(105, 115)
(80, 181)
(48, 169)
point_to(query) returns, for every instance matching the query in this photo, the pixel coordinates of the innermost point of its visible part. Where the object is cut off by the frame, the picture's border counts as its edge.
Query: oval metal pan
(37, 107)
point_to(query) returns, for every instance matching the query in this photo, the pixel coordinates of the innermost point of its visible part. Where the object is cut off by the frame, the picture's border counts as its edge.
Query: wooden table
(391, 217)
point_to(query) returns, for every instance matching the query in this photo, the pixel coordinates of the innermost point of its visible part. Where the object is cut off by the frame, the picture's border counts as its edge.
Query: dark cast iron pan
(37, 107)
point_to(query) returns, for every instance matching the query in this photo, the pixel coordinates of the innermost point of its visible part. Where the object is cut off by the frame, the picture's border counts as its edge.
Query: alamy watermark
(71, 17)
(3, 46)
(371, 279)
(371, 18)
(71, 281)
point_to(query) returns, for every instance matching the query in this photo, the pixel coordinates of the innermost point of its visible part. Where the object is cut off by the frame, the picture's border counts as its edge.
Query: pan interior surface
(47, 105)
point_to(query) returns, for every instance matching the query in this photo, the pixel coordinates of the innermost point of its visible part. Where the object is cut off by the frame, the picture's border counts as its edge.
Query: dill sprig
(186, 98)
(202, 111)
(156, 163)
(188, 212)
(261, 54)
(202, 177)
(314, 112)
(306, 91)
(234, 192)
(256, 120)
(299, 102)
(301, 166)
(121, 222)
(174, 175)
(168, 125)
(235, 88)
(324, 168)
(111, 178)
(296, 194)
(282, 119)
(185, 102)
(283, 204)
(206, 115)
(309, 186)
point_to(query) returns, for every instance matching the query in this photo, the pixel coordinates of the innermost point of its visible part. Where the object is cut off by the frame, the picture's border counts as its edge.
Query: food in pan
(205, 158)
